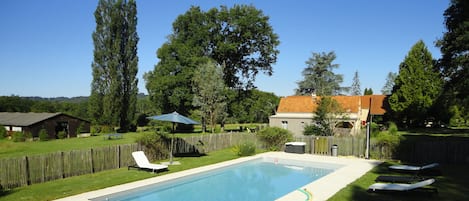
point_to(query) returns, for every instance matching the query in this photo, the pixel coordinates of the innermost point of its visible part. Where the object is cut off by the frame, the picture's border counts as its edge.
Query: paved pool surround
(321, 189)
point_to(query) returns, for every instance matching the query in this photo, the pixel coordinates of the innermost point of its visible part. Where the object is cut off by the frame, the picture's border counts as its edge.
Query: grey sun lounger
(429, 169)
(413, 168)
(143, 163)
(398, 179)
(400, 187)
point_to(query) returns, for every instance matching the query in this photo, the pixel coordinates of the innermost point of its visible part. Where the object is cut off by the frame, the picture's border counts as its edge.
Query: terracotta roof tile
(296, 104)
(377, 103)
(304, 104)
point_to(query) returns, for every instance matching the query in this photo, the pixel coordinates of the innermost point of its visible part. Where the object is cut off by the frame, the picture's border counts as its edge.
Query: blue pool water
(256, 180)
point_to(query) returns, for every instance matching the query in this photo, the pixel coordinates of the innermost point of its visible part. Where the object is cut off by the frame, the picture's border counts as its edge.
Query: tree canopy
(318, 76)
(416, 87)
(389, 84)
(325, 117)
(209, 94)
(454, 63)
(368, 91)
(239, 38)
(355, 88)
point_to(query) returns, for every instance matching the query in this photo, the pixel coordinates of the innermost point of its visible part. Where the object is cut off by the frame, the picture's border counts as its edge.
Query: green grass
(80, 184)
(8, 148)
(452, 185)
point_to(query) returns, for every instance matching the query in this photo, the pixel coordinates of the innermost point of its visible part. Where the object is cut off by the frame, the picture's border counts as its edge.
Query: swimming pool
(258, 179)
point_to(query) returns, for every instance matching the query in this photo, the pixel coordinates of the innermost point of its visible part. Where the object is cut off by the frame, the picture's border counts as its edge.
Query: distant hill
(77, 99)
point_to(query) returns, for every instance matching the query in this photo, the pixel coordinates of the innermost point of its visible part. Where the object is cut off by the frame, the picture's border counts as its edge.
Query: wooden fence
(27, 170)
(442, 149)
(347, 146)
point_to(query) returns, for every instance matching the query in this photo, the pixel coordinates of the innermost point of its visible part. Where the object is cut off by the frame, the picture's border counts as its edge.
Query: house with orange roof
(295, 112)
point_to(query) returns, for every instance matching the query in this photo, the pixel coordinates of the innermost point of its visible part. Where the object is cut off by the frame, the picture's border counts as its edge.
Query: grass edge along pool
(279, 177)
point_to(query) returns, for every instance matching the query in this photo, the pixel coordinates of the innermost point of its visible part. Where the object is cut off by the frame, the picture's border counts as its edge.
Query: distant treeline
(250, 107)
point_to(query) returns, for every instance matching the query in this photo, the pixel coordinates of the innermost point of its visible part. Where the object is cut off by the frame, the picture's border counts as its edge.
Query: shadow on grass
(5, 192)
(452, 185)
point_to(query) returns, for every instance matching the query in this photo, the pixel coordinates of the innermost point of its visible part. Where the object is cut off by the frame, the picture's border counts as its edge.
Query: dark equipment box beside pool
(295, 147)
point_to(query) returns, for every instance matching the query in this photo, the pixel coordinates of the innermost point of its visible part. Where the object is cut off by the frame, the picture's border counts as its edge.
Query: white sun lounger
(413, 168)
(399, 186)
(143, 163)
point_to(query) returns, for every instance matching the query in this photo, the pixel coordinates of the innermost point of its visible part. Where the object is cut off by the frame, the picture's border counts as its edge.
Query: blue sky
(46, 47)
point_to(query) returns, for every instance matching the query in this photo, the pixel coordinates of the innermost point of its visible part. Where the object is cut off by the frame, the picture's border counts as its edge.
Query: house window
(285, 124)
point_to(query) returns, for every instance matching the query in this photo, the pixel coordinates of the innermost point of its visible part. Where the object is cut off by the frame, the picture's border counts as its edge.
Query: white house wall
(297, 121)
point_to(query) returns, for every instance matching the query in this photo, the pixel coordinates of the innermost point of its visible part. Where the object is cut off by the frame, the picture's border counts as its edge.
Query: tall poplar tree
(416, 87)
(114, 86)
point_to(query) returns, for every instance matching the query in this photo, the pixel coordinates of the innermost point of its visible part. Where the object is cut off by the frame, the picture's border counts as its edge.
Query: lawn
(80, 184)
(452, 185)
(8, 148)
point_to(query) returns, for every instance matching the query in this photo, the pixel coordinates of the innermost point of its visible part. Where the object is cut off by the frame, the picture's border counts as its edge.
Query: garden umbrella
(175, 118)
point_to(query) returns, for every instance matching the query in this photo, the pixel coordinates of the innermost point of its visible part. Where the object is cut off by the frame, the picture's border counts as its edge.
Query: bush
(107, 129)
(275, 137)
(388, 141)
(61, 134)
(392, 128)
(18, 137)
(95, 129)
(312, 130)
(3, 132)
(245, 149)
(80, 128)
(43, 135)
(28, 136)
(156, 145)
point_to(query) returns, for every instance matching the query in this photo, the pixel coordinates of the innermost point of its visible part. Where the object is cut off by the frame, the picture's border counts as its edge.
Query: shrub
(95, 129)
(275, 137)
(156, 145)
(388, 141)
(392, 128)
(312, 130)
(3, 132)
(245, 149)
(107, 129)
(80, 128)
(43, 135)
(28, 136)
(18, 137)
(61, 134)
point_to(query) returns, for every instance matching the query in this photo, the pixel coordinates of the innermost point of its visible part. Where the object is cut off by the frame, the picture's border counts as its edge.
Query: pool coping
(321, 189)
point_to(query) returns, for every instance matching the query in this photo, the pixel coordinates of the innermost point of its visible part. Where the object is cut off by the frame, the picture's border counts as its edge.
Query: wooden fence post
(91, 161)
(26, 169)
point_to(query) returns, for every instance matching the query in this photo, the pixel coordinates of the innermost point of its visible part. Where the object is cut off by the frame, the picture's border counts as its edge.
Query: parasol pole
(171, 148)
